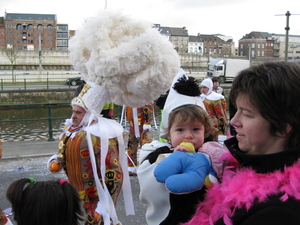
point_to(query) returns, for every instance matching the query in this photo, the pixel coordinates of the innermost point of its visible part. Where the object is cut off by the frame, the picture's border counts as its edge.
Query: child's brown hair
(188, 114)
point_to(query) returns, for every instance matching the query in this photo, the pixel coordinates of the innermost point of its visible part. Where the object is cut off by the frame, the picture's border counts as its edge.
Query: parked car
(74, 81)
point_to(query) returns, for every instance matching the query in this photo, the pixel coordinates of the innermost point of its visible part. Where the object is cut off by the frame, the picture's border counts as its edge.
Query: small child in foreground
(44, 202)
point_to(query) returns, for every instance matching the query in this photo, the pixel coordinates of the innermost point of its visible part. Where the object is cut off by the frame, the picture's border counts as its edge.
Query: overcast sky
(233, 18)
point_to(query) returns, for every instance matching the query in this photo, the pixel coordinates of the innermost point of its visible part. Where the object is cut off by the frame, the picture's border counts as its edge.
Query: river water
(37, 126)
(37, 123)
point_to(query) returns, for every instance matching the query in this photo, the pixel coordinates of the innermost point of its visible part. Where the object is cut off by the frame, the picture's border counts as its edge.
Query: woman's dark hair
(44, 202)
(274, 89)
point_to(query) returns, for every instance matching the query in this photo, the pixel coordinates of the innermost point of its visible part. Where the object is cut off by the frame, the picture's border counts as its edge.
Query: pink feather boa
(240, 188)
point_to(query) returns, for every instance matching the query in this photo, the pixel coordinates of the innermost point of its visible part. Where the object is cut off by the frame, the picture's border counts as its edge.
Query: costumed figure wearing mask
(126, 62)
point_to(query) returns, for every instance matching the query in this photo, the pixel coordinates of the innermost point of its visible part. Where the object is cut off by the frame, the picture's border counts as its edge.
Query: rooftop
(28, 16)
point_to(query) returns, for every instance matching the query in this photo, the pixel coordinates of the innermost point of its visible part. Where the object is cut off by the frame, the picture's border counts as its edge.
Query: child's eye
(196, 129)
(179, 129)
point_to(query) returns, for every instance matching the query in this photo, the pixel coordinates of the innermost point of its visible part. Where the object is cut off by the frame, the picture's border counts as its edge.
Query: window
(258, 45)
(241, 46)
(40, 27)
(62, 27)
(49, 35)
(30, 27)
(49, 27)
(253, 45)
(49, 41)
(263, 45)
(62, 48)
(62, 35)
(8, 25)
(19, 27)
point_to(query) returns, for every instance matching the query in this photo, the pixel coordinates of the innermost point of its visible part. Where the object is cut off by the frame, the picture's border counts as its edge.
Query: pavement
(23, 159)
(28, 149)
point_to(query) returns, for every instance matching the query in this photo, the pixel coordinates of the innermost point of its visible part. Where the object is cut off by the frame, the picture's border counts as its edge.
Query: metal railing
(26, 84)
(45, 116)
(48, 118)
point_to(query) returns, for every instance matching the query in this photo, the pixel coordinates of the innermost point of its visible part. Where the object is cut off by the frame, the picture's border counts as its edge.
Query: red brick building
(30, 31)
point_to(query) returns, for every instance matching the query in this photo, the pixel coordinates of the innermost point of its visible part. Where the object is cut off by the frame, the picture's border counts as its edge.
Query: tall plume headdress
(131, 64)
(127, 57)
(184, 91)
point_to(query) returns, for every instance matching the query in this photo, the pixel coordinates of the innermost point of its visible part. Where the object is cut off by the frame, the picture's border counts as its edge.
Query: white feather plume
(127, 57)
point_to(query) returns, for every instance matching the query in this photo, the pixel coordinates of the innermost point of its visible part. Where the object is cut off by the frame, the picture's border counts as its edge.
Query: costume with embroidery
(215, 105)
(77, 165)
(144, 116)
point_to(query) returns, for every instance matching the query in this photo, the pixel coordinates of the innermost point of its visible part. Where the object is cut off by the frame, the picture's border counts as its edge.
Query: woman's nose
(234, 120)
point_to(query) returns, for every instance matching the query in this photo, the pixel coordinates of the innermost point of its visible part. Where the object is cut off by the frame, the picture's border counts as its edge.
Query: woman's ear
(286, 132)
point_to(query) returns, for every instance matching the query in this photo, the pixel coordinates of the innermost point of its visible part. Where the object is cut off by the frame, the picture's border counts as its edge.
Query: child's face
(187, 132)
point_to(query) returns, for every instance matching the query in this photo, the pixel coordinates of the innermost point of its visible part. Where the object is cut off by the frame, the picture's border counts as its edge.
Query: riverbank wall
(35, 96)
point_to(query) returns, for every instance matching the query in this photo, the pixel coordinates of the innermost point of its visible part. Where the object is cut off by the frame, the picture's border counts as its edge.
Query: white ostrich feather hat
(127, 57)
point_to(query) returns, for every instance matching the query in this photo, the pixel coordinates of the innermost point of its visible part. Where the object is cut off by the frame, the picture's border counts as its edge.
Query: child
(183, 113)
(189, 125)
(44, 202)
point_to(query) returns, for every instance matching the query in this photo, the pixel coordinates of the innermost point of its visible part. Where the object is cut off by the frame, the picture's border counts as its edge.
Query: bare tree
(12, 54)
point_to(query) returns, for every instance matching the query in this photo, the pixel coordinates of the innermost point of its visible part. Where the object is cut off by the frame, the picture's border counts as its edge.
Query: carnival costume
(215, 105)
(132, 64)
(255, 189)
(138, 118)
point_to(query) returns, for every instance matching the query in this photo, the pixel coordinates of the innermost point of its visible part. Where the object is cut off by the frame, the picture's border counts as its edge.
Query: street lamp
(287, 28)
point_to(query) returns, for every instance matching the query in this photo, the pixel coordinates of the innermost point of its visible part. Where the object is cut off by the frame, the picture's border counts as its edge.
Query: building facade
(24, 31)
(269, 45)
(2, 33)
(195, 45)
(62, 37)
